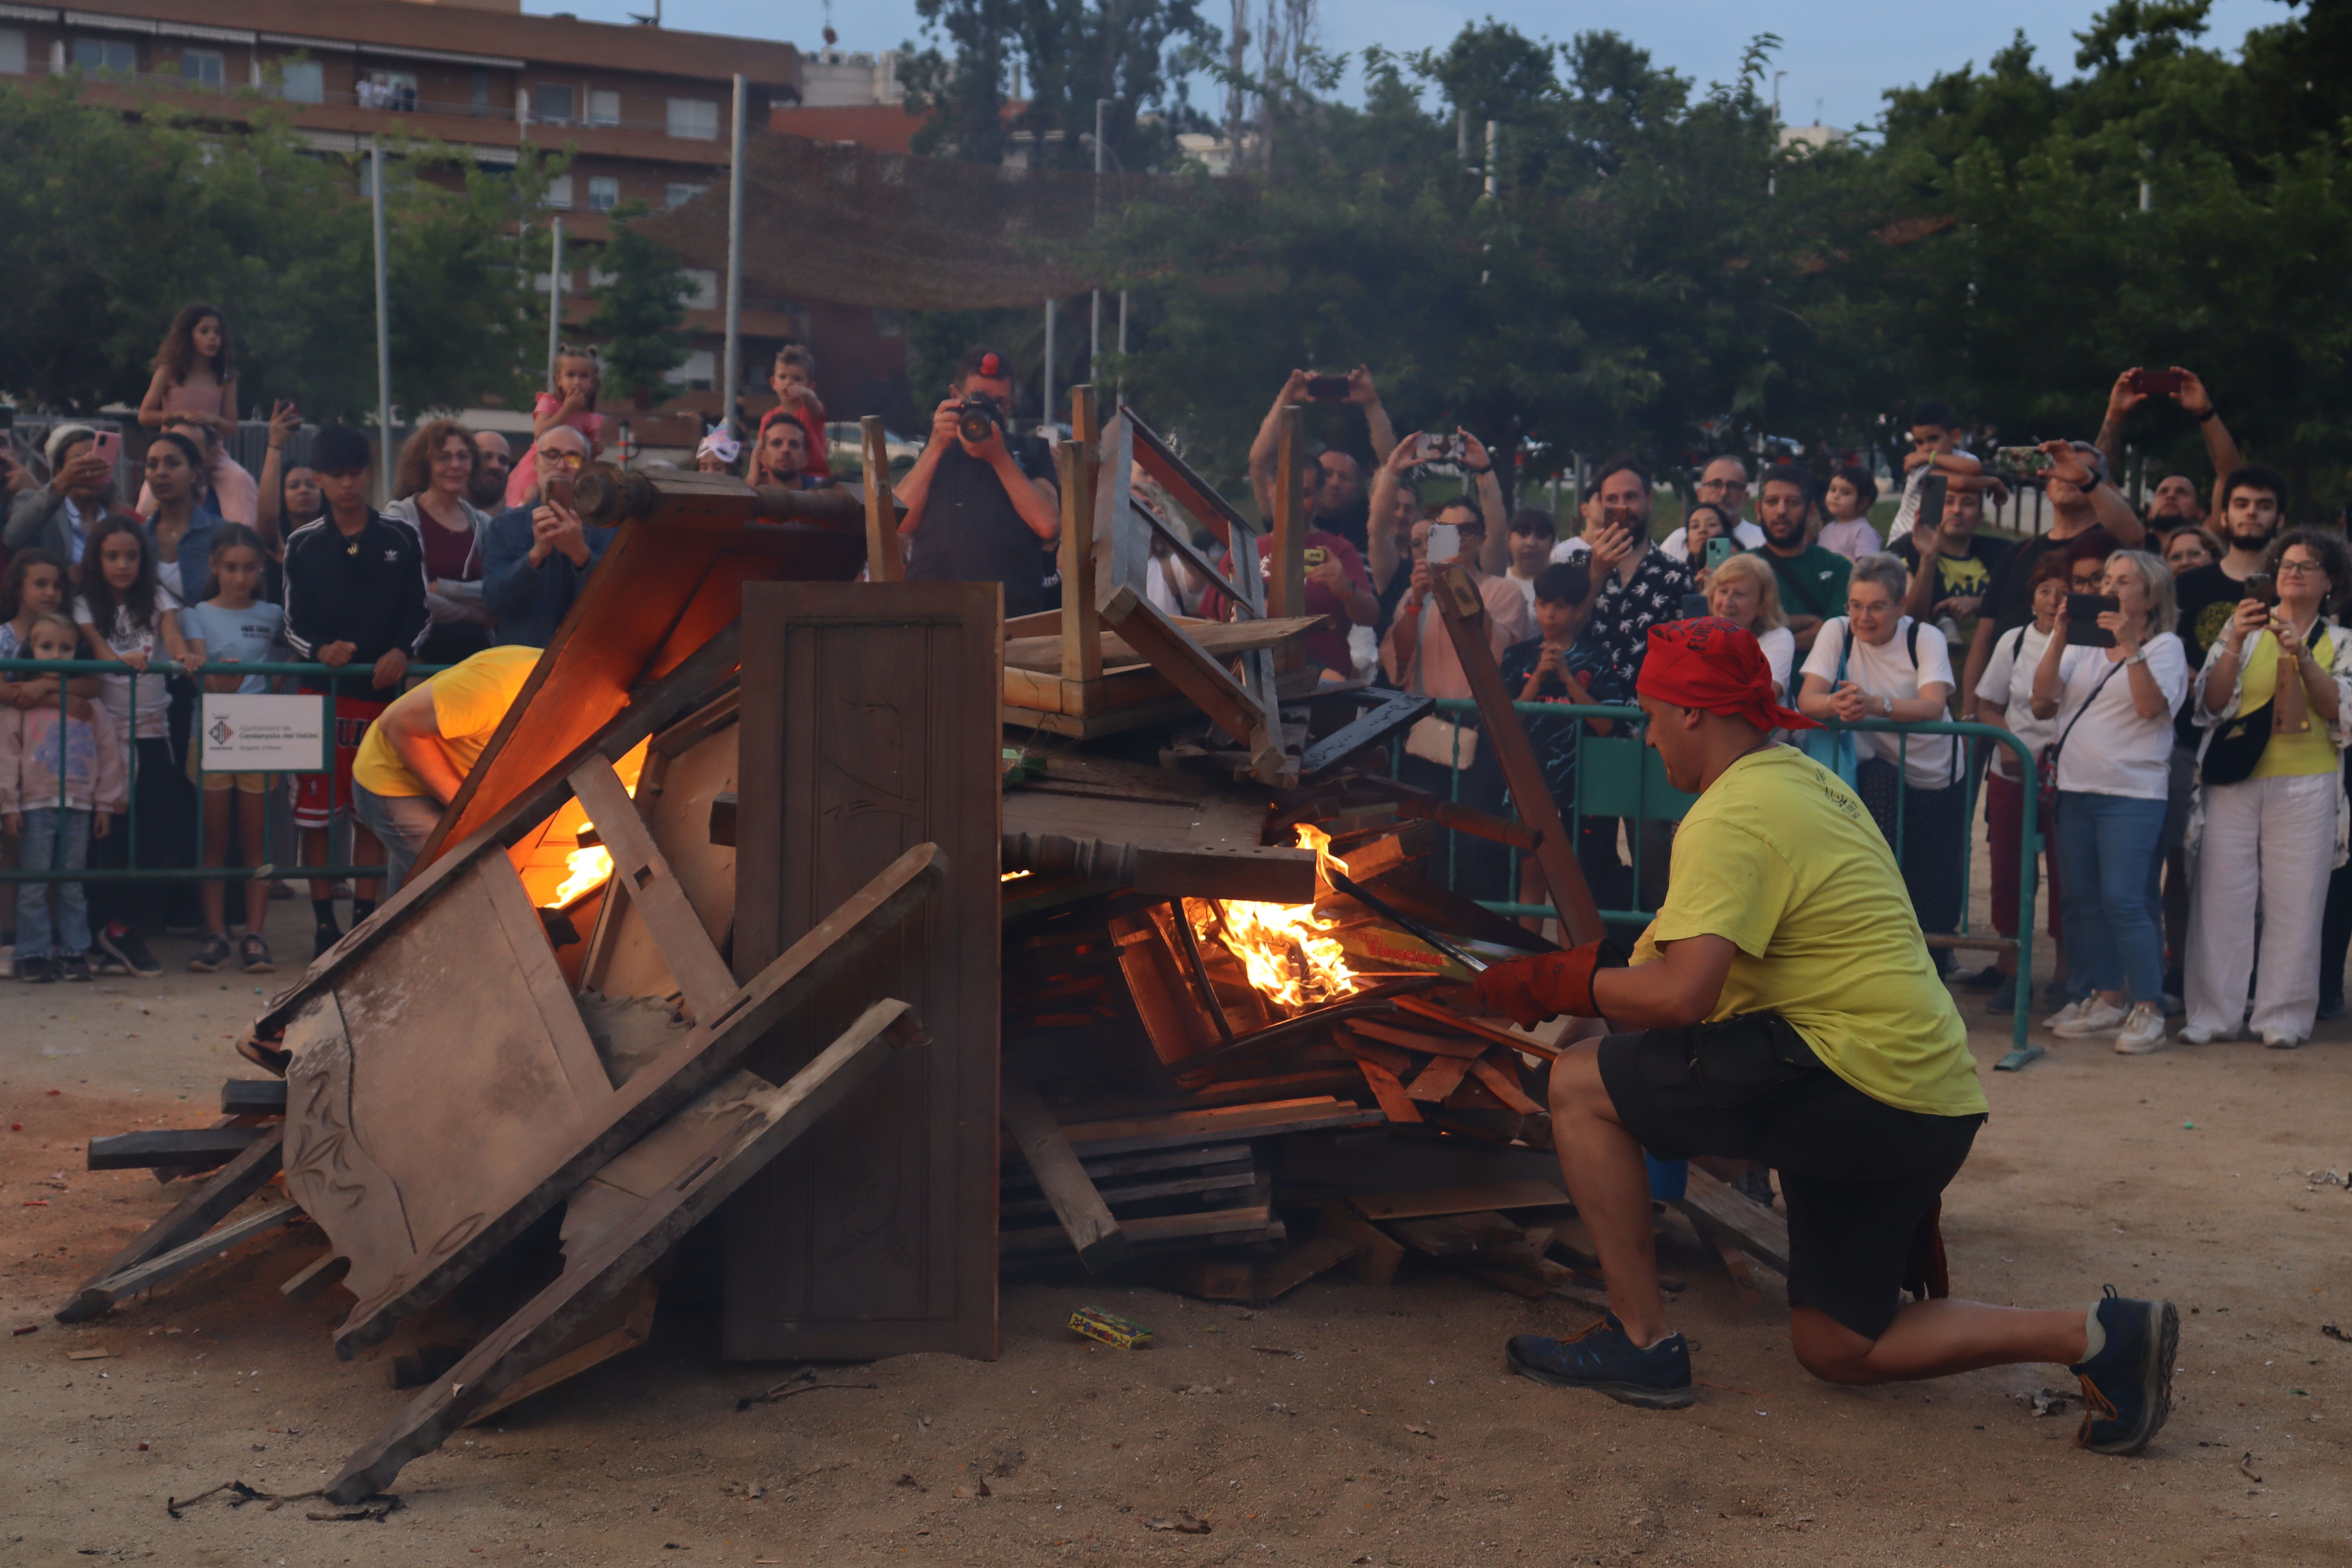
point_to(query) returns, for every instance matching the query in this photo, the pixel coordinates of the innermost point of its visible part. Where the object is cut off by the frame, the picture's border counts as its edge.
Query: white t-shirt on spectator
(2008, 680)
(1677, 545)
(1780, 646)
(2112, 750)
(1884, 669)
(155, 705)
(1908, 513)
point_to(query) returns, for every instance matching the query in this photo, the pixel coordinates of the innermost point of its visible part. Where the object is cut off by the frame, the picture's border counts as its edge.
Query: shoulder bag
(2048, 783)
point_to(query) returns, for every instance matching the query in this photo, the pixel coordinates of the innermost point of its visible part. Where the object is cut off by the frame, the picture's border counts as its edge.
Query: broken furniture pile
(751, 899)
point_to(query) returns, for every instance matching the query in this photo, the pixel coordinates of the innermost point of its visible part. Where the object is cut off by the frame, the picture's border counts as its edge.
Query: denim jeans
(2110, 850)
(401, 822)
(55, 838)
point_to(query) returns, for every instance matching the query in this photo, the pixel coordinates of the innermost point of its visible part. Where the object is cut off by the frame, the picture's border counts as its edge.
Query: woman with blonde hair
(2113, 706)
(1747, 593)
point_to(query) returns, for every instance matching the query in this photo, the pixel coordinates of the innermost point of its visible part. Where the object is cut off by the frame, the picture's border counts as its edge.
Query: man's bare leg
(1611, 1186)
(1936, 1338)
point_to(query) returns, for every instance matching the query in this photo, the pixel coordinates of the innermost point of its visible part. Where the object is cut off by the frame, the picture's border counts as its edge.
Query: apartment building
(645, 108)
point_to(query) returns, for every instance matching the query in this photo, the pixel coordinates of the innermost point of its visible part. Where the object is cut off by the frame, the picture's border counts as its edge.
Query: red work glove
(1529, 990)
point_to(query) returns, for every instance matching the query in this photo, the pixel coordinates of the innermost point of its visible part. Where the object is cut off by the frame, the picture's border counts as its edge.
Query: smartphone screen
(2083, 612)
(107, 446)
(2261, 585)
(1720, 551)
(2022, 460)
(557, 486)
(1327, 388)
(1445, 542)
(2157, 383)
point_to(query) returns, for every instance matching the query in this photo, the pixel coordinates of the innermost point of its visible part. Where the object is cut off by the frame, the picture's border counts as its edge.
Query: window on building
(678, 193)
(115, 54)
(551, 103)
(559, 191)
(889, 324)
(395, 90)
(603, 193)
(706, 289)
(694, 118)
(481, 102)
(696, 374)
(302, 81)
(205, 66)
(12, 50)
(604, 107)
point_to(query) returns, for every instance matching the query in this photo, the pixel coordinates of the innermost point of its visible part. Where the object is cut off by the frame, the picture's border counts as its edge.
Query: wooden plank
(1141, 1232)
(1464, 615)
(1437, 1012)
(1080, 1208)
(677, 798)
(626, 1322)
(543, 977)
(1394, 1102)
(1396, 1061)
(1227, 1179)
(1468, 1050)
(1302, 1263)
(1187, 489)
(1727, 1250)
(1438, 1079)
(193, 1216)
(363, 1150)
(1198, 562)
(1188, 668)
(640, 867)
(1479, 1235)
(1502, 1082)
(168, 1146)
(1081, 641)
(100, 1295)
(1172, 1023)
(318, 1275)
(1130, 1134)
(761, 1126)
(1221, 639)
(1376, 1255)
(1373, 724)
(1760, 1230)
(1205, 1278)
(869, 722)
(1471, 1199)
(253, 1097)
(885, 557)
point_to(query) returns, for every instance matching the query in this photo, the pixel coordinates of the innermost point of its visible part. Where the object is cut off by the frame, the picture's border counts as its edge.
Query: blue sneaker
(1605, 1359)
(2127, 1386)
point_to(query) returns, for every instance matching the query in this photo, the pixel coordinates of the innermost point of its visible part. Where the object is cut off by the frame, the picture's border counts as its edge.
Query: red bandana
(1712, 665)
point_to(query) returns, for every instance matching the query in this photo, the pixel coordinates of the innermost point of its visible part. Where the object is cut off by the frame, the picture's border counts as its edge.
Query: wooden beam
(1465, 614)
(1184, 486)
(1760, 1230)
(253, 1097)
(630, 1316)
(1287, 582)
(102, 1294)
(1193, 558)
(885, 557)
(1080, 1208)
(766, 1125)
(640, 869)
(1144, 628)
(1530, 1193)
(1081, 645)
(191, 1216)
(168, 1146)
(1377, 721)
(1122, 533)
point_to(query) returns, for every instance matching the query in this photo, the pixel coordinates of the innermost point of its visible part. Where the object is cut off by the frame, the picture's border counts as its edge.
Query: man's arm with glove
(1679, 988)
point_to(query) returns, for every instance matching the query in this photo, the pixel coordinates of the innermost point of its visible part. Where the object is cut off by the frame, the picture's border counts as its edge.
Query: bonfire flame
(1283, 948)
(588, 866)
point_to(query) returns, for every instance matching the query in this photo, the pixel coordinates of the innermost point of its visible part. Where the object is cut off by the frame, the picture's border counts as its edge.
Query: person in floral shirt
(1637, 585)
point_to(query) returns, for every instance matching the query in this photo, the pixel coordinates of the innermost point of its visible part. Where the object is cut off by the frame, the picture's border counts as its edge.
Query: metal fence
(1619, 777)
(352, 680)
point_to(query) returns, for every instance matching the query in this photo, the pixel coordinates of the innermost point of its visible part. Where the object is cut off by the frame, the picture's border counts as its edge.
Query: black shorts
(1859, 1174)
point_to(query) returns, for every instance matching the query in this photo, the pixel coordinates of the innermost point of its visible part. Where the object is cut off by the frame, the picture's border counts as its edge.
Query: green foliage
(1071, 53)
(640, 307)
(108, 225)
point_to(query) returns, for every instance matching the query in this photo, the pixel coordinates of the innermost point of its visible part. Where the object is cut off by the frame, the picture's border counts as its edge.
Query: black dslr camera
(976, 418)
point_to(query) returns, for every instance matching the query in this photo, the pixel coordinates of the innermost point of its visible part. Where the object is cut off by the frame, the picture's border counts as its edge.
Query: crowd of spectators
(2176, 673)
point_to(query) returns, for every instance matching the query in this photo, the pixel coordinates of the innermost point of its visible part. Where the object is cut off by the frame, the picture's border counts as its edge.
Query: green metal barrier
(1618, 775)
(341, 679)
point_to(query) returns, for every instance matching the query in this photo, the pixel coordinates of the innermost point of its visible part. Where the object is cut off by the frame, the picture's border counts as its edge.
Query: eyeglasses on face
(2300, 568)
(561, 460)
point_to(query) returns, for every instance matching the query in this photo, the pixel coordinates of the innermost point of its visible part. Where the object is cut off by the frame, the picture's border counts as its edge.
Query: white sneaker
(2097, 1016)
(2196, 1034)
(2072, 1013)
(2279, 1041)
(2143, 1030)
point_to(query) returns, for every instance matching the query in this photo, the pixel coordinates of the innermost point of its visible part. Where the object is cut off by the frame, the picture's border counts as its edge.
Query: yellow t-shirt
(1780, 857)
(2286, 756)
(468, 701)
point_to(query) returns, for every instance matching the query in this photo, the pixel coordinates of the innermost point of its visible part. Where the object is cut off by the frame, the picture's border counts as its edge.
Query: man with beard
(1332, 488)
(493, 460)
(1812, 580)
(2176, 502)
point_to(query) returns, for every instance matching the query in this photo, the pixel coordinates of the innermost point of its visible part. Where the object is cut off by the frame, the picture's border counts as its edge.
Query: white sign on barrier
(263, 732)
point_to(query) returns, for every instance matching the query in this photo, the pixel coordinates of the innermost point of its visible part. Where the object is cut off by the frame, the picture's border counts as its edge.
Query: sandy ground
(1390, 1437)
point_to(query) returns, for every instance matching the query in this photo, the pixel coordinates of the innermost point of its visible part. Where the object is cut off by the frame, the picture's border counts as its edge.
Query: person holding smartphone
(1333, 491)
(2113, 707)
(58, 516)
(537, 558)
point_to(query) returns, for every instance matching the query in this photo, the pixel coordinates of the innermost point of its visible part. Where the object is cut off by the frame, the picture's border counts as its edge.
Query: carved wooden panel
(870, 723)
(674, 796)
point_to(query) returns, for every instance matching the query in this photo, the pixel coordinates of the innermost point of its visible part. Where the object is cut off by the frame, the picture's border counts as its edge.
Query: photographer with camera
(981, 504)
(1331, 490)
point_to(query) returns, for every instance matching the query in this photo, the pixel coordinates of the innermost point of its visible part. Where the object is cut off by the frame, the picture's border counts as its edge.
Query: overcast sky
(1839, 55)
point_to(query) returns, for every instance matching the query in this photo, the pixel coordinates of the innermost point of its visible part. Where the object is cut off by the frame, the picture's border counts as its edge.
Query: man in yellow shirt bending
(1782, 1008)
(420, 749)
